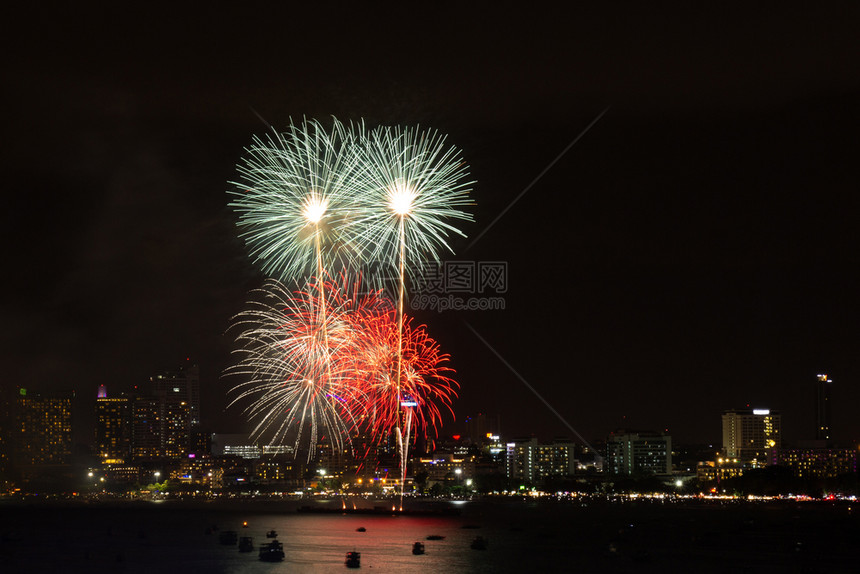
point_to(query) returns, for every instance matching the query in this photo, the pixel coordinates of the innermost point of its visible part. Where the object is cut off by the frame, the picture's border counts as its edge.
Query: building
(823, 385)
(42, 437)
(556, 459)
(224, 444)
(531, 462)
(819, 462)
(519, 460)
(112, 428)
(753, 436)
(638, 453)
(446, 467)
(181, 386)
(718, 470)
(165, 416)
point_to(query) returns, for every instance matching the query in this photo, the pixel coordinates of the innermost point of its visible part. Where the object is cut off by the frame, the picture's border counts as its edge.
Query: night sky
(695, 250)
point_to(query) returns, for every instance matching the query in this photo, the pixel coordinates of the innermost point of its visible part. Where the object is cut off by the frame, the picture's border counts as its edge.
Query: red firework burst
(425, 384)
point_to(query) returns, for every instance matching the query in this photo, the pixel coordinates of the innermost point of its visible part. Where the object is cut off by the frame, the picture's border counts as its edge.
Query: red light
(456, 437)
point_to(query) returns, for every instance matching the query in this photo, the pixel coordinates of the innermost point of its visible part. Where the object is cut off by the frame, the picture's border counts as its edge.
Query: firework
(291, 357)
(312, 200)
(425, 383)
(410, 190)
(294, 200)
(411, 185)
(297, 382)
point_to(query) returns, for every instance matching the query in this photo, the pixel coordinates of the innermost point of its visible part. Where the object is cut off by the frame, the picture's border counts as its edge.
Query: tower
(822, 408)
(113, 428)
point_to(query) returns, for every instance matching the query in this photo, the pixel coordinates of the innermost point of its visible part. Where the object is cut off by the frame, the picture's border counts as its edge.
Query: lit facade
(44, 428)
(42, 443)
(182, 386)
(113, 428)
(446, 467)
(637, 453)
(145, 428)
(529, 461)
(752, 436)
(819, 462)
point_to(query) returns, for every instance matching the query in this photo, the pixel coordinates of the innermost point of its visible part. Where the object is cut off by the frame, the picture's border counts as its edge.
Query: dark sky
(695, 250)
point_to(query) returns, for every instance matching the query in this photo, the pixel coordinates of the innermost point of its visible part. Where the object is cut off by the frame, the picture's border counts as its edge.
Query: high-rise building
(113, 428)
(181, 386)
(752, 436)
(42, 442)
(823, 384)
(520, 459)
(529, 461)
(165, 415)
(7, 430)
(146, 428)
(638, 453)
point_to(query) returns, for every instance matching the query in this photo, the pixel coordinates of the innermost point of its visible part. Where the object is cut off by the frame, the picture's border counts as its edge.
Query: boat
(479, 543)
(435, 537)
(228, 537)
(271, 534)
(361, 529)
(418, 548)
(272, 551)
(246, 544)
(353, 559)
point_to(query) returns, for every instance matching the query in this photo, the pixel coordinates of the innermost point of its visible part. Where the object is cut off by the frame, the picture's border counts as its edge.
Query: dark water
(523, 537)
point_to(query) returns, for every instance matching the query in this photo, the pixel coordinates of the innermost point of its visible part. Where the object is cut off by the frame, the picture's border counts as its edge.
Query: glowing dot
(400, 199)
(314, 208)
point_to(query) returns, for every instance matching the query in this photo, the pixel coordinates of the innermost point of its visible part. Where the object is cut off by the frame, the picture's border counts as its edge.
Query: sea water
(522, 536)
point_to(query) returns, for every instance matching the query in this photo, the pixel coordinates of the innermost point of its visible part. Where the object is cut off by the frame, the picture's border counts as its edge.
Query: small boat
(353, 559)
(246, 544)
(228, 537)
(418, 548)
(435, 537)
(272, 551)
(271, 534)
(479, 543)
(361, 529)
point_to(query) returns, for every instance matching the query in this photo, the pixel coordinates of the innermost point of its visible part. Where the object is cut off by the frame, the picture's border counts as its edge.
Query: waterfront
(524, 536)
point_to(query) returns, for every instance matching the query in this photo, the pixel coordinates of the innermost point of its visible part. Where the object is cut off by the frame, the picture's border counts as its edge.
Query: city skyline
(86, 409)
(674, 197)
